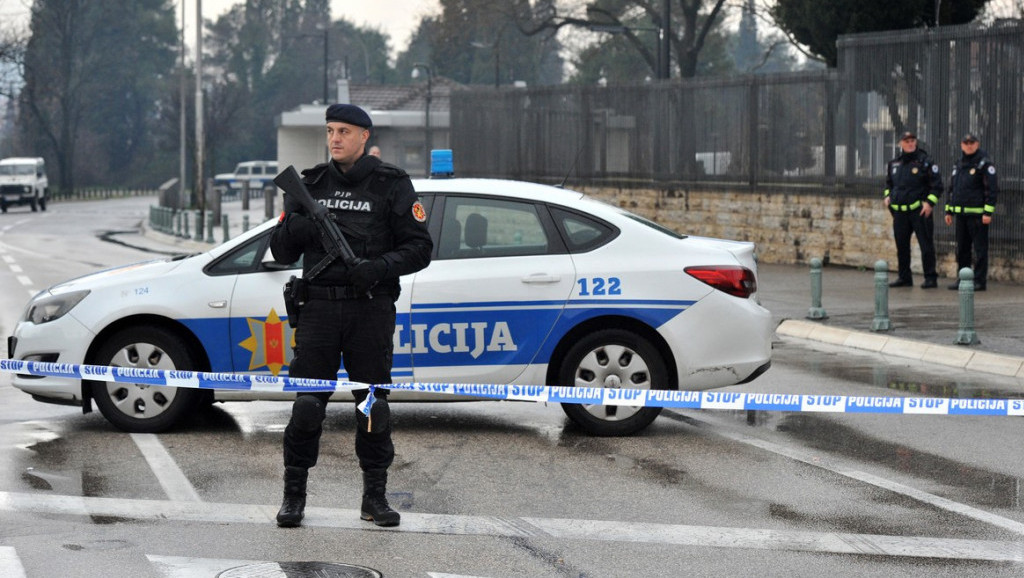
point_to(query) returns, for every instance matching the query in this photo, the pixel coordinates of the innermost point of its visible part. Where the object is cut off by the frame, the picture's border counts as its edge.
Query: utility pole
(182, 197)
(199, 184)
(665, 50)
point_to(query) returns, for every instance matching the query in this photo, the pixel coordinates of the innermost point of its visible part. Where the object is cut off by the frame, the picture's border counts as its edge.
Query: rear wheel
(613, 358)
(141, 408)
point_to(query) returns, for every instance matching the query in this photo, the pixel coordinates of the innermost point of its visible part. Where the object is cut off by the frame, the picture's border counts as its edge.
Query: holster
(296, 293)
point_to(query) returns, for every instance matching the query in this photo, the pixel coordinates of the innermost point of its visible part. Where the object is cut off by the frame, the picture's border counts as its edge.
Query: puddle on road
(819, 431)
(975, 484)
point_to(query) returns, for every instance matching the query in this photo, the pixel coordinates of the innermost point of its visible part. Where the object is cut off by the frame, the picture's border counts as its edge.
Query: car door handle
(218, 304)
(541, 279)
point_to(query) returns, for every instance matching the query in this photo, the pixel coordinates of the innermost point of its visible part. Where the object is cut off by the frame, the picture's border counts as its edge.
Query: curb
(949, 355)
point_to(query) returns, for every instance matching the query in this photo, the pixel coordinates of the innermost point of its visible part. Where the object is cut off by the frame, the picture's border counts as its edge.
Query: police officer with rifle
(359, 229)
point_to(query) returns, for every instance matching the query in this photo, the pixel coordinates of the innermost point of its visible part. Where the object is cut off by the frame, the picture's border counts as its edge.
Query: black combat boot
(375, 505)
(290, 514)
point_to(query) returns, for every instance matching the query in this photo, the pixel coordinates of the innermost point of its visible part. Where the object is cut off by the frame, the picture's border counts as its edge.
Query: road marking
(170, 476)
(24, 280)
(831, 464)
(531, 528)
(10, 564)
(190, 567)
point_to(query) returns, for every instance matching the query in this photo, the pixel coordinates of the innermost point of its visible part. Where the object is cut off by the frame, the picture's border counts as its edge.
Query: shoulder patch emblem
(991, 169)
(935, 169)
(418, 212)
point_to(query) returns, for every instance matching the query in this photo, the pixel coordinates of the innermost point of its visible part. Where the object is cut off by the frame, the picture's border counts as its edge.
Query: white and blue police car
(529, 284)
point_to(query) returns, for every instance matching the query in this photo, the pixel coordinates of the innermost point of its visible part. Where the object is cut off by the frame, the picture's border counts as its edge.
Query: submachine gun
(331, 237)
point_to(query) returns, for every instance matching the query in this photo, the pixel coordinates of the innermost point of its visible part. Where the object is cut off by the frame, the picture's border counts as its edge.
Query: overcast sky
(398, 18)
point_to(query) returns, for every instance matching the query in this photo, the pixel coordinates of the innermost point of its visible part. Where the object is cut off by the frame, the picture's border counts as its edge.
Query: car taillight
(734, 280)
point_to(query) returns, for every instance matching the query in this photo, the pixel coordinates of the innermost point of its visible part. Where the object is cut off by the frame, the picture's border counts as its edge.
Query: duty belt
(334, 292)
(971, 210)
(910, 207)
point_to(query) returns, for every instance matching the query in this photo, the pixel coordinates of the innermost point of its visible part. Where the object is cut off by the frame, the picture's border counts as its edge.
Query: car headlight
(46, 309)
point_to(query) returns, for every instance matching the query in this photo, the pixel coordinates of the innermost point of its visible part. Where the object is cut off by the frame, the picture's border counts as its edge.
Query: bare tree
(691, 21)
(12, 58)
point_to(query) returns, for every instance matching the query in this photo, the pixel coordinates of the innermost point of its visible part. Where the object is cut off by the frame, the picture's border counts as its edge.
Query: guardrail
(100, 193)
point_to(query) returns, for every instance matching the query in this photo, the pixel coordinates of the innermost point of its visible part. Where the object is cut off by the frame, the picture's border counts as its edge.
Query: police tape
(536, 393)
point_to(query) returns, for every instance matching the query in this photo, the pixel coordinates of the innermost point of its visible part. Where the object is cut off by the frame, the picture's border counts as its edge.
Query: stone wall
(791, 227)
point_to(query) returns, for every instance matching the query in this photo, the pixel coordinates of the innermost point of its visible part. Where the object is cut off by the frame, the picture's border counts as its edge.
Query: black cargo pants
(361, 333)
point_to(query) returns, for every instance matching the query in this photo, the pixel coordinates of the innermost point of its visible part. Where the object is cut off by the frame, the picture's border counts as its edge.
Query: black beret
(350, 114)
(969, 137)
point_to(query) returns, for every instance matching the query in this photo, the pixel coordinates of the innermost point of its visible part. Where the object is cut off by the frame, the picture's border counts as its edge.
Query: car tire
(612, 358)
(141, 408)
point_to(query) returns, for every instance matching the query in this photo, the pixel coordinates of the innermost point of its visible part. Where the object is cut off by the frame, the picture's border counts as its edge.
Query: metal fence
(831, 131)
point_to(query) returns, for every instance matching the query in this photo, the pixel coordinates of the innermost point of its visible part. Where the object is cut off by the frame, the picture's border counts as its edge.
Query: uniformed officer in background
(349, 313)
(912, 188)
(971, 198)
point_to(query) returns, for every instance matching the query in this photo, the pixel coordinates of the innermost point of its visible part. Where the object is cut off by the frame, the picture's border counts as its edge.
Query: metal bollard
(966, 334)
(184, 220)
(816, 311)
(209, 229)
(224, 227)
(199, 226)
(245, 223)
(881, 321)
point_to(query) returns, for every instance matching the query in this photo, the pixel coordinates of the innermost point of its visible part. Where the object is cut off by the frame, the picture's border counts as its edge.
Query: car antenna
(561, 185)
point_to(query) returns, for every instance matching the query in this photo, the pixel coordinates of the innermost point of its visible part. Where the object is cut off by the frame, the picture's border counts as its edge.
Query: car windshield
(10, 170)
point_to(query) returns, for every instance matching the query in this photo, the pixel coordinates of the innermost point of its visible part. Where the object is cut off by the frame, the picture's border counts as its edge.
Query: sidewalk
(925, 322)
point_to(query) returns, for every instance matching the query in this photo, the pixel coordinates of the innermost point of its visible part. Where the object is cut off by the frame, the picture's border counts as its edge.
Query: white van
(23, 182)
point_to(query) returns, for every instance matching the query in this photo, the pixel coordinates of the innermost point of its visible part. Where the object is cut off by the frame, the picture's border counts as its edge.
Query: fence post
(966, 334)
(816, 311)
(881, 321)
(224, 227)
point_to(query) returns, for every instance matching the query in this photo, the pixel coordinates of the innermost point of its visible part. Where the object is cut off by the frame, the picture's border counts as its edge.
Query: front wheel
(613, 358)
(137, 407)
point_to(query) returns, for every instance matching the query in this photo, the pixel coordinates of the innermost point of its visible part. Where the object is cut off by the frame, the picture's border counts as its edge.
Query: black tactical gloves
(367, 273)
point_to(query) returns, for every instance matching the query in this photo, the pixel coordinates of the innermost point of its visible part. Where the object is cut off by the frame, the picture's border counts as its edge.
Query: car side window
(247, 258)
(582, 233)
(475, 227)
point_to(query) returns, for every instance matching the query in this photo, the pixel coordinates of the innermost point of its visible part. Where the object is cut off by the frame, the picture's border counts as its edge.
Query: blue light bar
(441, 164)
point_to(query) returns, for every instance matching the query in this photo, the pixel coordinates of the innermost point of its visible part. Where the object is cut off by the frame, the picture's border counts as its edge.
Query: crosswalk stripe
(533, 528)
(10, 564)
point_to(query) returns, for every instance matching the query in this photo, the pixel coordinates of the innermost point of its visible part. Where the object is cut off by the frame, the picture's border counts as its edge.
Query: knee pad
(379, 420)
(308, 413)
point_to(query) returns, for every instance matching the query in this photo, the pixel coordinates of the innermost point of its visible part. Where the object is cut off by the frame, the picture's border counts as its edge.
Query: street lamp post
(430, 90)
(659, 71)
(325, 29)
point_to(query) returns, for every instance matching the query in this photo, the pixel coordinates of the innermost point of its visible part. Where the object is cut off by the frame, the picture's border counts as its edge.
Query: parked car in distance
(529, 285)
(23, 182)
(257, 173)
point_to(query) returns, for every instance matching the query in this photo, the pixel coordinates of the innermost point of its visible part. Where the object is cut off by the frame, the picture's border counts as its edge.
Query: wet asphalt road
(511, 489)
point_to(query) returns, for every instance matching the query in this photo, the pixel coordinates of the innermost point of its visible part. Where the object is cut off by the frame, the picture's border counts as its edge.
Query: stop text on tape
(536, 393)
